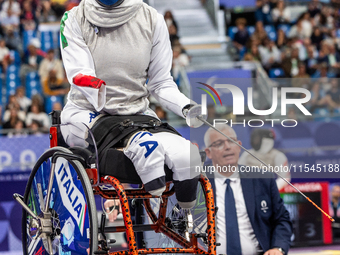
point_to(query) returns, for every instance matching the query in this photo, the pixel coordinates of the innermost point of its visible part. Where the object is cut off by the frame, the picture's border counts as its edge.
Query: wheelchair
(60, 214)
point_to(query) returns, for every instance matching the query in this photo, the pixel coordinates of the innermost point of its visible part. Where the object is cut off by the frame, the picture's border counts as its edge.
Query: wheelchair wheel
(71, 212)
(183, 222)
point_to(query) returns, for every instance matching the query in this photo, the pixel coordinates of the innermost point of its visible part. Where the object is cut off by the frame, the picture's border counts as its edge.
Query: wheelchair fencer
(60, 215)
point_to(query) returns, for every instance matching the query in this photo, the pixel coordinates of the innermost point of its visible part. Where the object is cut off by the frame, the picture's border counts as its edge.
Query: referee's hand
(112, 209)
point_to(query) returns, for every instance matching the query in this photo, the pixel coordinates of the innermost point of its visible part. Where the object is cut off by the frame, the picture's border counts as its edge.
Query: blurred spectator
(59, 7)
(169, 19)
(241, 36)
(13, 105)
(290, 64)
(5, 58)
(52, 76)
(263, 12)
(311, 61)
(298, 30)
(317, 37)
(30, 61)
(333, 57)
(47, 14)
(173, 33)
(161, 114)
(35, 128)
(332, 97)
(306, 24)
(270, 54)
(253, 54)
(13, 40)
(302, 79)
(314, 8)
(260, 34)
(281, 14)
(322, 72)
(28, 18)
(281, 39)
(57, 106)
(23, 101)
(9, 14)
(13, 118)
(179, 60)
(19, 129)
(37, 115)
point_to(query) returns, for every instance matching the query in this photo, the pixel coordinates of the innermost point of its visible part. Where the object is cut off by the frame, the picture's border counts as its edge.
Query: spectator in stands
(302, 79)
(253, 54)
(270, 54)
(263, 12)
(290, 64)
(281, 14)
(5, 58)
(28, 18)
(333, 57)
(311, 61)
(298, 30)
(13, 105)
(317, 37)
(31, 61)
(161, 114)
(9, 14)
(314, 8)
(57, 106)
(169, 19)
(323, 72)
(260, 34)
(18, 130)
(23, 101)
(173, 33)
(52, 76)
(12, 119)
(13, 40)
(332, 97)
(307, 24)
(38, 115)
(47, 14)
(179, 61)
(241, 36)
(59, 7)
(281, 40)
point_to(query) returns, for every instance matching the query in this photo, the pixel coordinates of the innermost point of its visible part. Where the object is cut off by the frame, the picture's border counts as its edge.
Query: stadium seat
(271, 32)
(276, 73)
(251, 30)
(285, 28)
(51, 100)
(46, 39)
(322, 114)
(231, 32)
(27, 37)
(12, 80)
(16, 57)
(33, 85)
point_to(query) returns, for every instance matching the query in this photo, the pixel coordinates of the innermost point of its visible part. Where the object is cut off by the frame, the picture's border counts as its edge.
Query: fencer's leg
(147, 155)
(73, 129)
(183, 158)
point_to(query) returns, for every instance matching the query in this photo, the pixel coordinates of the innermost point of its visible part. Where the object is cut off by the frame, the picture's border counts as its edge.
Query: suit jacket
(267, 213)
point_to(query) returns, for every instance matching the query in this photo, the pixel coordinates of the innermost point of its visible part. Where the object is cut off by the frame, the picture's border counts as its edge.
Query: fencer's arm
(282, 161)
(161, 84)
(78, 60)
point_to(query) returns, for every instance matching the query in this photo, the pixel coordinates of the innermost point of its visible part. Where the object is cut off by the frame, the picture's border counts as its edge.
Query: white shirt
(249, 243)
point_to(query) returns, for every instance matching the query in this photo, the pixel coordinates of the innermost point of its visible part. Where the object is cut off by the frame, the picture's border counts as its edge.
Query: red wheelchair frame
(158, 222)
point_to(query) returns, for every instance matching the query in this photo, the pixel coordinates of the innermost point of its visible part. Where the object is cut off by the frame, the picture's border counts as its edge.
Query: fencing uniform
(124, 46)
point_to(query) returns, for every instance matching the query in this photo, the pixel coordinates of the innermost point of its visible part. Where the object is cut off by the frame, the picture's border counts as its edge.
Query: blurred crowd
(24, 114)
(307, 49)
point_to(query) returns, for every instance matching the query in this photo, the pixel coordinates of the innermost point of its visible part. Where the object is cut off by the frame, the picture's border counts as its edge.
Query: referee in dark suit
(251, 217)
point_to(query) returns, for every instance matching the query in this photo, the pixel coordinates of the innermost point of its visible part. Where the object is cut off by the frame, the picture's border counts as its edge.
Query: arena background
(203, 39)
